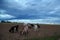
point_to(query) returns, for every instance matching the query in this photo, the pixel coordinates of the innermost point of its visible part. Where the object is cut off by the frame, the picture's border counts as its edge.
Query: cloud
(24, 4)
(44, 10)
(4, 15)
(49, 20)
(41, 6)
(18, 4)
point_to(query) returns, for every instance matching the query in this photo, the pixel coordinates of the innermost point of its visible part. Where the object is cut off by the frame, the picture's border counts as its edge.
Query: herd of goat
(26, 27)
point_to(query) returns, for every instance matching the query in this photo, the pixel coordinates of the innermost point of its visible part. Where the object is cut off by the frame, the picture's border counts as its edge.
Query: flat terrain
(45, 30)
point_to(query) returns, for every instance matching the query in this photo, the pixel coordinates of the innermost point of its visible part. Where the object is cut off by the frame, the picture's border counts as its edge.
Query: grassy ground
(45, 38)
(46, 32)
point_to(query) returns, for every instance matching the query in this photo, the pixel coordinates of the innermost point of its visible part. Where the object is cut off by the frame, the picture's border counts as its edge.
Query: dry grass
(45, 32)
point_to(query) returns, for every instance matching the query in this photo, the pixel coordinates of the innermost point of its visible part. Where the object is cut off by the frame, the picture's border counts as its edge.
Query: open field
(46, 32)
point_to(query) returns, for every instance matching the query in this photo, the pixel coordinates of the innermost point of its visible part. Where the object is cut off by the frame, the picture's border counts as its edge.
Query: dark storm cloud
(31, 9)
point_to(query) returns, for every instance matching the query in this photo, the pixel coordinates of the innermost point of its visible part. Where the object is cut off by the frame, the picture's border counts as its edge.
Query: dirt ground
(44, 30)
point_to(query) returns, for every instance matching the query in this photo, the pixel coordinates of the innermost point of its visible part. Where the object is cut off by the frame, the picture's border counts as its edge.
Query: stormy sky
(38, 11)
